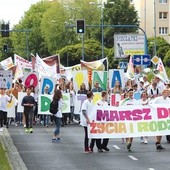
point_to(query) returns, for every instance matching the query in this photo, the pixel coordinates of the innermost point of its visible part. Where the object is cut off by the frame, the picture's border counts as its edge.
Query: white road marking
(133, 158)
(116, 147)
(151, 168)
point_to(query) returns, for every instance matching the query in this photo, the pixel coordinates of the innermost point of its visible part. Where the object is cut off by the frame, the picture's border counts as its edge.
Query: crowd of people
(141, 92)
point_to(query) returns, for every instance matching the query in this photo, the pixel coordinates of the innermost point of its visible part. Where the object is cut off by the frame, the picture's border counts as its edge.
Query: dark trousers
(86, 139)
(5, 118)
(1, 118)
(105, 143)
(168, 138)
(98, 143)
(29, 118)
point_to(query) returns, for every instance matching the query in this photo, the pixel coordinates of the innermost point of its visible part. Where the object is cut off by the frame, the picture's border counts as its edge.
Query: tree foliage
(119, 13)
(162, 47)
(28, 31)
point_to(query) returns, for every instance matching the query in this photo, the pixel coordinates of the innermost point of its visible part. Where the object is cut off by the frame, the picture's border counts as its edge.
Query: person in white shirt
(160, 84)
(145, 82)
(164, 99)
(103, 102)
(129, 101)
(144, 101)
(84, 119)
(4, 99)
(153, 90)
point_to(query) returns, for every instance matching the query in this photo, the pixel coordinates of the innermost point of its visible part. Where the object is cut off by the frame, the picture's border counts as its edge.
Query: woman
(57, 117)
(117, 88)
(83, 89)
(72, 102)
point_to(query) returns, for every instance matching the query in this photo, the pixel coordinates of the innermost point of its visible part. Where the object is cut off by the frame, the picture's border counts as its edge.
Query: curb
(13, 155)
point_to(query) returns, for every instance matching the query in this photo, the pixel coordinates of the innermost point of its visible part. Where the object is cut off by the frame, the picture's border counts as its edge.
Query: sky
(13, 10)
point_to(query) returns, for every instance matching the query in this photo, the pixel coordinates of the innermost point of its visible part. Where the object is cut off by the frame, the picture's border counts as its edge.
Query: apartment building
(154, 16)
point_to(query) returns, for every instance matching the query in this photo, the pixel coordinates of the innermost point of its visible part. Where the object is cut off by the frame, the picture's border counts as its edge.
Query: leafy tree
(72, 54)
(166, 59)
(87, 10)
(119, 13)
(27, 34)
(53, 27)
(162, 47)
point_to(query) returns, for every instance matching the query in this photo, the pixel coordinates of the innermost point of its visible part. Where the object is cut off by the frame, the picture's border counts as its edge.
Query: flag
(43, 69)
(53, 61)
(101, 65)
(130, 69)
(18, 72)
(162, 72)
(22, 62)
(7, 63)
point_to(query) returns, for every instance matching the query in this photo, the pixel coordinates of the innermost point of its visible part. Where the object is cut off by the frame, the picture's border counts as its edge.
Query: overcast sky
(13, 10)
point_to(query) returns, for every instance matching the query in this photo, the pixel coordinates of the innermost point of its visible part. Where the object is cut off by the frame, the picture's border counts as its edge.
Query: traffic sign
(155, 60)
(142, 59)
(123, 65)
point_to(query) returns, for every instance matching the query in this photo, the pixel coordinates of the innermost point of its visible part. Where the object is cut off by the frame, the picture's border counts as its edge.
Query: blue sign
(123, 65)
(142, 59)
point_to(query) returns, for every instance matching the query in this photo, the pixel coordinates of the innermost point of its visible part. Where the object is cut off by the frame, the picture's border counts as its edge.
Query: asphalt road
(39, 153)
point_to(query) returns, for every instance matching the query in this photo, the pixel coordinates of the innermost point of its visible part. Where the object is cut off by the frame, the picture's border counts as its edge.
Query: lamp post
(154, 27)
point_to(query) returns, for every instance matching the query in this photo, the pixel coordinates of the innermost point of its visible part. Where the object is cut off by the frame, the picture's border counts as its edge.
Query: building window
(163, 1)
(163, 30)
(163, 15)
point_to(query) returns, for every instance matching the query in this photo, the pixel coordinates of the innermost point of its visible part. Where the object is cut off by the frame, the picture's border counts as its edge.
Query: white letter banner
(129, 121)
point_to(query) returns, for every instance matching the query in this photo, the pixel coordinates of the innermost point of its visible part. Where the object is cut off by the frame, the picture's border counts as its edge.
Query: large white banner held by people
(129, 121)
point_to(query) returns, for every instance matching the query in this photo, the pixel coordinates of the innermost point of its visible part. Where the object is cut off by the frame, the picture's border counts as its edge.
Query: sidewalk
(12, 153)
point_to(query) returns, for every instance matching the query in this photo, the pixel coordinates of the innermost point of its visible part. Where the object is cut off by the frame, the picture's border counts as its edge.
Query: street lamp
(102, 21)
(154, 27)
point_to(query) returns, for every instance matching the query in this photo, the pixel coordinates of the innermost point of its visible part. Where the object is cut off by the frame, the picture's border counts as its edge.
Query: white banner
(5, 79)
(129, 121)
(11, 108)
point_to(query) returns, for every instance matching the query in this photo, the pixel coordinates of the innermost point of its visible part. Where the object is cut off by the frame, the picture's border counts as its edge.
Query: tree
(28, 31)
(162, 47)
(72, 54)
(119, 13)
(166, 59)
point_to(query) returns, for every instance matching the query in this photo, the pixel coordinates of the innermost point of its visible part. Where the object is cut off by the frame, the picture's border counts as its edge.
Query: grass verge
(4, 164)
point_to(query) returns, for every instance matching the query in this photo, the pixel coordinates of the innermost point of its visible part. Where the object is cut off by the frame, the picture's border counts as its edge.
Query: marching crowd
(141, 92)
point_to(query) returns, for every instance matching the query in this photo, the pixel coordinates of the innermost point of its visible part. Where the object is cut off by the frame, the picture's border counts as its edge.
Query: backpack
(54, 107)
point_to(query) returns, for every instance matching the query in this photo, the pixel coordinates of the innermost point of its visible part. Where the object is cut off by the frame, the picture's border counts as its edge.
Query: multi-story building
(154, 17)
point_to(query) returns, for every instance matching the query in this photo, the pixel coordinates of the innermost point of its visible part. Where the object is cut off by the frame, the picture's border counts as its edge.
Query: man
(103, 143)
(85, 121)
(164, 99)
(28, 102)
(97, 88)
(129, 101)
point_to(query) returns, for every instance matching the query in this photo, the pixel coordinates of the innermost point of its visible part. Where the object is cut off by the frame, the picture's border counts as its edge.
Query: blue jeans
(57, 123)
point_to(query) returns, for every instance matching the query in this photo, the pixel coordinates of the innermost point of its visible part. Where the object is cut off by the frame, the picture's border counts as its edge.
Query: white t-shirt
(4, 99)
(102, 103)
(141, 102)
(87, 105)
(60, 104)
(160, 100)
